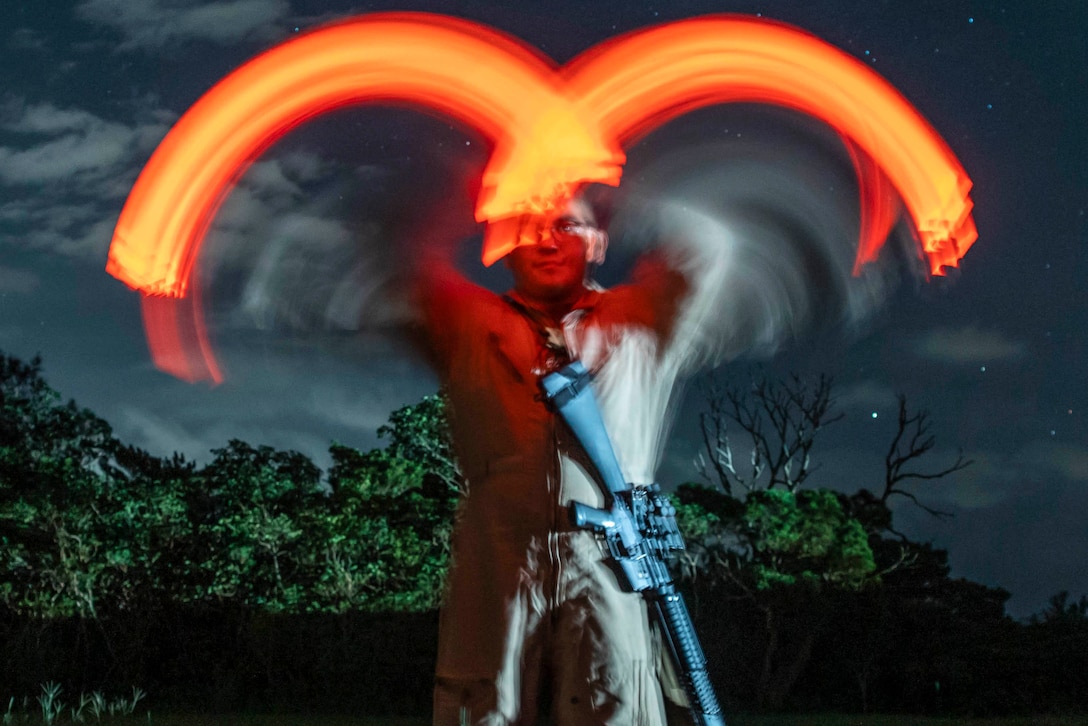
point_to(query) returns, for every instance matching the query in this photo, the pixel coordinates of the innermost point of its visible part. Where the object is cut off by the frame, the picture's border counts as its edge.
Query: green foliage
(88, 524)
(250, 509)
(421, 433)
(53, 463)
(703, 513)
(805, 537)
(387, 540)
(775, 538)
(107, 553)
(782, 557)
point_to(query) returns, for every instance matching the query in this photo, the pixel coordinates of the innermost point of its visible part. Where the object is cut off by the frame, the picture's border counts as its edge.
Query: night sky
(996, 354)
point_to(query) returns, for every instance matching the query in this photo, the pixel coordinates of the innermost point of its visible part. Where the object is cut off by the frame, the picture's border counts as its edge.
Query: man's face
(550, 265)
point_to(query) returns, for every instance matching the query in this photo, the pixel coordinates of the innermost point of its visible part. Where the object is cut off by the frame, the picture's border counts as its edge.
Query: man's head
(554, 251)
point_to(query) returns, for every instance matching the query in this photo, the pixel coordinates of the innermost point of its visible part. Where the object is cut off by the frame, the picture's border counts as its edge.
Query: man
(534, 620)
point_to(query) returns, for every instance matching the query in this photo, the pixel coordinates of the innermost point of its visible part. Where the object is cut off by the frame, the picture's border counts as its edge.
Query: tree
(89, 524)
(759, 538)
(421, 433)
(782, 420)
(388, 534)
(250, 507)
(779, 553)
(56, 557)
(911, 442)
(1061, 609)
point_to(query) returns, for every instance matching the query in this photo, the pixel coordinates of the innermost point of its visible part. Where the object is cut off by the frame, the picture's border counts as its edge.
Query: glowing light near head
(552, 128)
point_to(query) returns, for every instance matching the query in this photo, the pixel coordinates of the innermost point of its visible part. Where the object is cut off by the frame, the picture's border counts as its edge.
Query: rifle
(639, 525)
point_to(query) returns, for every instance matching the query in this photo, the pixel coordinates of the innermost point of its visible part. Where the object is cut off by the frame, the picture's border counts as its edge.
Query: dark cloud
(19, 281)
(71, 230)
(286, 252)
(866, 395)
(156, 24)
(1068, 461)
(67, 172)
(968, 345)
(993, 478)
(70, 145)
(78, 145)
(298, 395)
(998, 476)
(25, 39)
(1031, 544)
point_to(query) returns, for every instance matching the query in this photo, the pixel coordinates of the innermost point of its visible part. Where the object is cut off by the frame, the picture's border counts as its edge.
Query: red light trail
(552, 129)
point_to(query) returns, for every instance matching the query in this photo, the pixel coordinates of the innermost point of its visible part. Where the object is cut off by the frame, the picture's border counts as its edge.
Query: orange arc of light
(551, 128)
(475, 74)
(634, 83)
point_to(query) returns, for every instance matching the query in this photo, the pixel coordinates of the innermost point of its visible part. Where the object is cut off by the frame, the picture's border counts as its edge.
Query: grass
(88, 708)
(121, 711)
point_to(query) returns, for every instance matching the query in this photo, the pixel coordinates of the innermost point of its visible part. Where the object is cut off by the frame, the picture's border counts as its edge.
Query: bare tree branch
(913, 440)
(781, 419)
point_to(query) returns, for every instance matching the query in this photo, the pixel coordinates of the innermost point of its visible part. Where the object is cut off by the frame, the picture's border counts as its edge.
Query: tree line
(257, 580)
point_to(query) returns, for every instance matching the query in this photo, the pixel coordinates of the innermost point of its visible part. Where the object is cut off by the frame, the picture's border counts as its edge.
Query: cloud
(1066, 460)
(285, 230)
(195, 437)
(81, 230)
(344, 395)
(362, 409)
(163, 437)
(968, 345)
(154, 24)
(44, 118)
(14, 281)
(10, 335)
(867, 395)
(18, 281)
(81, 153)
(999, 476)
(25, 39)
(992, 478)
(68, 173)
(71, 145)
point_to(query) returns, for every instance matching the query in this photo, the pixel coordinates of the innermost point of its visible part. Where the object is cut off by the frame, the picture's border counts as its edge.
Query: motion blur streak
(485, 79)
(777, 214)
(552, 128)
(178, 338)
(878, 207)
(636, 82)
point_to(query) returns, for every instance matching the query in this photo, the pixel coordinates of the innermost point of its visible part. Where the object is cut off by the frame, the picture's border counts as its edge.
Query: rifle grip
(584, 516)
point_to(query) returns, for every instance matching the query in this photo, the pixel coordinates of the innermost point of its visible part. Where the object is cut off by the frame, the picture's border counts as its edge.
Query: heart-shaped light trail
(552, 129)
